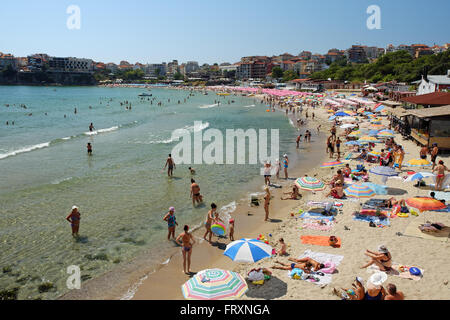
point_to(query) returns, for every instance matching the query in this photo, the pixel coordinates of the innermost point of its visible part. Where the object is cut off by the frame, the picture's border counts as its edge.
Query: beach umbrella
(332, 118)
(373, 133)
(332, 164)
(384, 171)
(357, 190)
(418, 163)
(387, 131)
(380, 108)
(368, 139)
(347, 125)
(376, 126)
(419, 176)
(355, 133)
(375, 154)
(348, 118)
(384, 134)
(341, 114)
(215, 284)
(310, 184)
(248, 250)
(218, 229)
(378, 188)
(367, 113)
(352, 143)
(425, 204)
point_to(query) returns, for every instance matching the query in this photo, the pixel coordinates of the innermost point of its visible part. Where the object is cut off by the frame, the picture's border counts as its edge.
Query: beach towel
(440, 195)
(313, 224)
(322, 204)
(412, 230)
(321, 257)
(318, 240)
(376, 220)
(397, 271)
(317, 216)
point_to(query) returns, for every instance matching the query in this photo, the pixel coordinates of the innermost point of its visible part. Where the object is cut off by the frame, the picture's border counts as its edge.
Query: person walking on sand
(286, 166)
(434, 153)
(171, 222)
(440, 168)
(195, 193)
(209, 221)
(186, 241)
(171, 165)
(267, 173)
(74, 218)
(338, 148)
(266, 203)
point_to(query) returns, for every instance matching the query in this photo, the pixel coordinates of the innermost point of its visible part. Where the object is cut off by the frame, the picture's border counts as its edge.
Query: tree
(277, 72)
(289, 75)
(178, 76)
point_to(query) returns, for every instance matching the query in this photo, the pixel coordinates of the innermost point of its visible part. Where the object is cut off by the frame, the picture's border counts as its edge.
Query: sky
(210, 31)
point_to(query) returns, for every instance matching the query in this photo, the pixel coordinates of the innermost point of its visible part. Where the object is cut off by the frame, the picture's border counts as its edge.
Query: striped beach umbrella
(215, 284)
(425, 204)
(384, 171)
(418, 163)
(376, 126)
(352, 143)
(355, 134)
(332, 164)
(374, 154)
(368, 139)
(383, 133)
(357, 190)
(248, 250)
(310, 184)
(388, 131)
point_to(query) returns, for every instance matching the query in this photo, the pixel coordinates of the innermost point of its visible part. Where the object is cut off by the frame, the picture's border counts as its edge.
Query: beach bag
(404, 210)
(296, 274)
(330, 267)
(256, 275)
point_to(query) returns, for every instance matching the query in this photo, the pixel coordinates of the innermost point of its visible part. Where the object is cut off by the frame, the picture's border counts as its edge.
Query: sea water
(121, 190)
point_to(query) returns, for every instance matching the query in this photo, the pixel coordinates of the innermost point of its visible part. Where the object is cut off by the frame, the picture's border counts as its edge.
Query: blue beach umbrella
(380, 108)
(331, 118)
(248, 250)
(341, 114)
(352, 143)
(373, 133)
(367, 113)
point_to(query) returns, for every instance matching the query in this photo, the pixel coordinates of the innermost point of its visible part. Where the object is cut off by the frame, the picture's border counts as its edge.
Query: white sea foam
(23, 150)
(132, 291)
(225, 212)
(197, 128)
(58, 181)
(101, 131)
(207, 106)
(250, 106)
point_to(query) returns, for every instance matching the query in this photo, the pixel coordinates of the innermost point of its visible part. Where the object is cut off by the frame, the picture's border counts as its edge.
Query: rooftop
(432, 99)
(431, 112)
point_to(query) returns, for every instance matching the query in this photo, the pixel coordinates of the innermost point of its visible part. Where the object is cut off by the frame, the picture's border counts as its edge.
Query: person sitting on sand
(282, 251)
(339, 177)
(364, 174)
(294, 195)
(337, 192)
(356, 293)
(393, 294)
(362, 155)
(347, 171)
(391, 202)
(382, 258)
(440, 169)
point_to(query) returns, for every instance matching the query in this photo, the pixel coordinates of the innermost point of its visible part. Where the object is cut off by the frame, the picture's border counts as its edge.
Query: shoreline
(136, 275)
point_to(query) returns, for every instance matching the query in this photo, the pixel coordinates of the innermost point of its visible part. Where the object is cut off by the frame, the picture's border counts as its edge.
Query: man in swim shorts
(195, 193)
(171, 165)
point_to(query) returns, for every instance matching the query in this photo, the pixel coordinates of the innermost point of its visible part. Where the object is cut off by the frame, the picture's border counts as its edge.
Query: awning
(431, 112)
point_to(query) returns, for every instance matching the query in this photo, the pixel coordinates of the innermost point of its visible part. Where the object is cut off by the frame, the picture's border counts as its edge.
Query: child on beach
(191, 170)
(231, 230)
(283, 248)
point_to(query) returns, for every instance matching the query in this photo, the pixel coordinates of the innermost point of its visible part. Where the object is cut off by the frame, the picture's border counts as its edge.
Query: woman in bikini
(74, 218)
(382, 258)
(286, 165)
(186, 241)
(440, 168)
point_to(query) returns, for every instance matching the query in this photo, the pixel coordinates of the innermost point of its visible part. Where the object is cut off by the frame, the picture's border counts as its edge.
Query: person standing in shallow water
(91, 127)
(170, 164)
(74, 218)
(171, 222)
(186, 241)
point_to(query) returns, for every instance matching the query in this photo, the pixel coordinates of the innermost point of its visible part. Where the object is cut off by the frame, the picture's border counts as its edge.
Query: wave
(250, 106)
(207, 106)
(60, 140)
(101, 131)
(197, 127)
(62, 180)
(24, 149)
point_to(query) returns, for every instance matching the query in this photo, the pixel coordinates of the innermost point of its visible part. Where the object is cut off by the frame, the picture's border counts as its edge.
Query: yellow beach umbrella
(418, 163)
